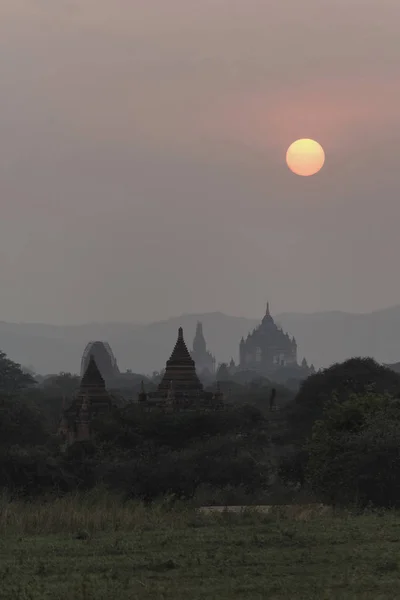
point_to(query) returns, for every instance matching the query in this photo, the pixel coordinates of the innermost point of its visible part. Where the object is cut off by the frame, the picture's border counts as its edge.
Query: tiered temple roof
(94, 388)
(267, 347)
(92, 378)
(91, 401)
(104, 357)
(180, 386)
(205, 361)
(180, 370)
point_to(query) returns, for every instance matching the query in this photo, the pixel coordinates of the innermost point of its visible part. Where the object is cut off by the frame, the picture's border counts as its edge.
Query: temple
(204, 360)
(180, 386)
(267, 348)
(91, 401)
(104, 358)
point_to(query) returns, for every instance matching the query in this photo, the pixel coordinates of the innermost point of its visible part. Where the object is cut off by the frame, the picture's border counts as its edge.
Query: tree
(20, 423)
(335, 384)
(12, 377)
(354, 376)
(354, 453)
(219, 461)
(65, 383)
(131, 427)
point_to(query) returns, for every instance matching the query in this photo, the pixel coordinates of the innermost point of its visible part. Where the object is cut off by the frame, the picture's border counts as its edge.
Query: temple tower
(91, 401)
(180, 386)
(267, 348)
(204, 360)
(180, 369)
(104, 357)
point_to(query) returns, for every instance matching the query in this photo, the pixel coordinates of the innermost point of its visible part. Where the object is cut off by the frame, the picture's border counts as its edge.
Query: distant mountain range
(323, 338)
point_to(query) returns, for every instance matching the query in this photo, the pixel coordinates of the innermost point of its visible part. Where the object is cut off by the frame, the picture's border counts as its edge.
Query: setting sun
(305, 157)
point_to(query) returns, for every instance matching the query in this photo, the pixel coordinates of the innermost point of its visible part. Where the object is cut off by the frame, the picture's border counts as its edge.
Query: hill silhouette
(323, 338)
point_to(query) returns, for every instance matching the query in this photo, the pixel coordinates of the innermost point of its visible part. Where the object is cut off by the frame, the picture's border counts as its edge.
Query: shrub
(354, 452)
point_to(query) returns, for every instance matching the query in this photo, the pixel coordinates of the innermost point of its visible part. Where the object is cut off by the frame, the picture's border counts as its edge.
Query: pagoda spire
(92, 376)
(180, 369)
(180, 352)
(267, 319)
(199, 342)
(92, 399)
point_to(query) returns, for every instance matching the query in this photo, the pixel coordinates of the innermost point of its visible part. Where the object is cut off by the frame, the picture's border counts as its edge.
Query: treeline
(143, 454)
(337, 439)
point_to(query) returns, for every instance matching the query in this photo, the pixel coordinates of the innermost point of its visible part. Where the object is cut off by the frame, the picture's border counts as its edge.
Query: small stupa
(91, 401)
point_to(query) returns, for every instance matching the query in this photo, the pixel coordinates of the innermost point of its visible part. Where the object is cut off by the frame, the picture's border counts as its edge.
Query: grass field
(94, 547)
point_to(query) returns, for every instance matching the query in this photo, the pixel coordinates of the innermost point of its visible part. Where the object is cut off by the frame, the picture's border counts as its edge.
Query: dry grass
(95, 511)
(99, 511)
(91, 546)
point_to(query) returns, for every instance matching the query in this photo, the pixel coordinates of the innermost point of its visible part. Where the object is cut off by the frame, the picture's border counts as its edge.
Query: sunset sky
(142, 157)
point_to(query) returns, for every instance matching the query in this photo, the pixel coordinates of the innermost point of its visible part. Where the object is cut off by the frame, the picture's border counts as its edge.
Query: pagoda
(91, 401)
(267, 348)
(205, 361)
(180, 369)
(180, 386)
(105, 360)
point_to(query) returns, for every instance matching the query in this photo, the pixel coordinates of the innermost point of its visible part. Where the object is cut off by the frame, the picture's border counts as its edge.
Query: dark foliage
(338, 437)
(218, 462)
(353, 376)
(63, 383)
(20, 423)
(354, 452)
(319, 394)
(12, 377)
(32, 471)
(144, 454)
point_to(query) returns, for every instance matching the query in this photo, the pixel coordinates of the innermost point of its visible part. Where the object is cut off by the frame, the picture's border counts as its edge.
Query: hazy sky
(142, 150)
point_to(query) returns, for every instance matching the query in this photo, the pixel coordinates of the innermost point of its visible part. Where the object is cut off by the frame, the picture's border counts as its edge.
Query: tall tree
(65, 383)
(354, 454)
(354, 376)
(12, 378)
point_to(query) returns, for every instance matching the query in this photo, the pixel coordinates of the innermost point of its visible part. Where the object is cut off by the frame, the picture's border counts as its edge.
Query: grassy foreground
(95, 547)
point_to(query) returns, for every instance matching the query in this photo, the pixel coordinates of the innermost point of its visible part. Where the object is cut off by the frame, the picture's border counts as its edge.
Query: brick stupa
(91, 401)
(180, 386)
(180, 370)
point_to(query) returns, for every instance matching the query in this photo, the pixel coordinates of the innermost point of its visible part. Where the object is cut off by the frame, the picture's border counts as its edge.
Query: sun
(305, 157)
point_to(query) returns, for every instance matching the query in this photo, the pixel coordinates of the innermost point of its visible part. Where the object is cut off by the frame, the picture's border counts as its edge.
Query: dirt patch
(302, 512)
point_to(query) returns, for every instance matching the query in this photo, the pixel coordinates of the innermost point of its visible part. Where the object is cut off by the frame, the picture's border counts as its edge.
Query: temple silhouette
(267, 348)
(267, 351)
(204, 360)
(104, 358)
(180, 386)
(91, 401)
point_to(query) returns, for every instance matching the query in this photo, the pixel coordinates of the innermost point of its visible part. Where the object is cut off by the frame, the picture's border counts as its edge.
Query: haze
(142, 147)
